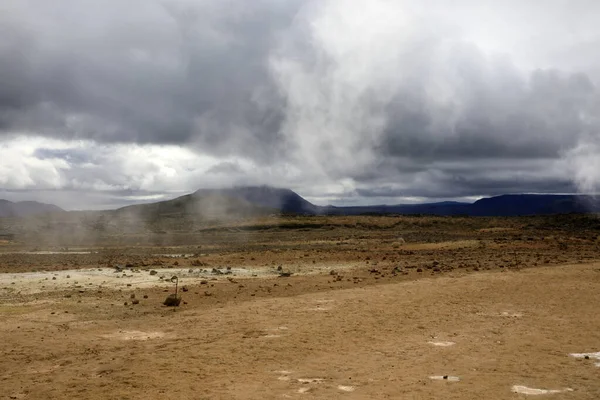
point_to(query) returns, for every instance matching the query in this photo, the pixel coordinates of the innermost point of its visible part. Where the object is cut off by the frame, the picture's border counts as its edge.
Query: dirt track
(492, 314)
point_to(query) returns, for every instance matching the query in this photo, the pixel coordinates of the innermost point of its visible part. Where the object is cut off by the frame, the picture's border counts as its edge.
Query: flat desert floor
(374, 308)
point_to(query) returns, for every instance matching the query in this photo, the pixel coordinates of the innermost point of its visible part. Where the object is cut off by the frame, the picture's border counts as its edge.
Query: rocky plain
(275, 307)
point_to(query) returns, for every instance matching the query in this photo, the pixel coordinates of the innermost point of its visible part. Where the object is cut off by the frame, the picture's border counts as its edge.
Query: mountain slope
(25, 208)
(225, 203)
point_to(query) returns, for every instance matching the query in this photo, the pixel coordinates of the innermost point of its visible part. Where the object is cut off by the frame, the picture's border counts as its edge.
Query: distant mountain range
(265, 200)
(268, 200)
(25, 208)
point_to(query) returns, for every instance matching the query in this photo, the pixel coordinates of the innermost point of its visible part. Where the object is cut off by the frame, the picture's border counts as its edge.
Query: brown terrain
(365, 307)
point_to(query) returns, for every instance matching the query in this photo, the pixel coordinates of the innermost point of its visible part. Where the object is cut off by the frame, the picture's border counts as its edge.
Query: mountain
(263, 200)
(251, 201)
(281, 200)
(503, 205)
(225, 203)
(25, 208)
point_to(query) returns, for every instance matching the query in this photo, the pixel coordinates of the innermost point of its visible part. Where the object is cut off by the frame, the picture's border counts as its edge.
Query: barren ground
(375, 307)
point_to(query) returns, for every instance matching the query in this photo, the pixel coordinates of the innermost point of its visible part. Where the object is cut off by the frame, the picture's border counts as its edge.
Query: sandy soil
(372, 317)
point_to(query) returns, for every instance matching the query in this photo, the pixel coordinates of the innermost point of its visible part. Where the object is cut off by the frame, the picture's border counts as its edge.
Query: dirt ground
(375, 307)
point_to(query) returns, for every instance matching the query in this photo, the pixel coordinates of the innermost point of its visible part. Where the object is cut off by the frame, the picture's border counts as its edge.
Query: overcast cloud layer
(104, 103)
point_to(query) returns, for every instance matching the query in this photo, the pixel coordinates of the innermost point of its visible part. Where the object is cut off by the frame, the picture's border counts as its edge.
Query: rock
(153, 272)
(184, 289)
(419, 269)
(333, 272)
(280, 268)
(203, 282)
(172, 300)
(145, 296)
(285, 274)
(132, 296)
(191, 271)
(135, 301)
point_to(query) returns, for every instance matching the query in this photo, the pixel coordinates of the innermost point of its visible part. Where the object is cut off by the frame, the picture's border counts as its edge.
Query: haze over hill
(250, 201)
(25, 208)
(257, 200)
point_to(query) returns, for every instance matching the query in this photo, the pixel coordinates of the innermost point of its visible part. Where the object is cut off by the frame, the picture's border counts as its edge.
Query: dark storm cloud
(377, 98)
(143, 71)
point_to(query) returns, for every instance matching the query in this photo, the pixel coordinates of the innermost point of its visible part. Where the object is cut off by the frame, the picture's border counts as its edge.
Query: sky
(108, 103)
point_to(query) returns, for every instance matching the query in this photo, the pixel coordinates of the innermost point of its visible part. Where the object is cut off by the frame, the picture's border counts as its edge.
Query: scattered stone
(153, 272)
(132, 296)
(532, 391)
(333, 272)
(135, 301)
(441, 344)
(419, 269)
(145, 296)
(184, 289)
(448, 378)
(285, 274)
